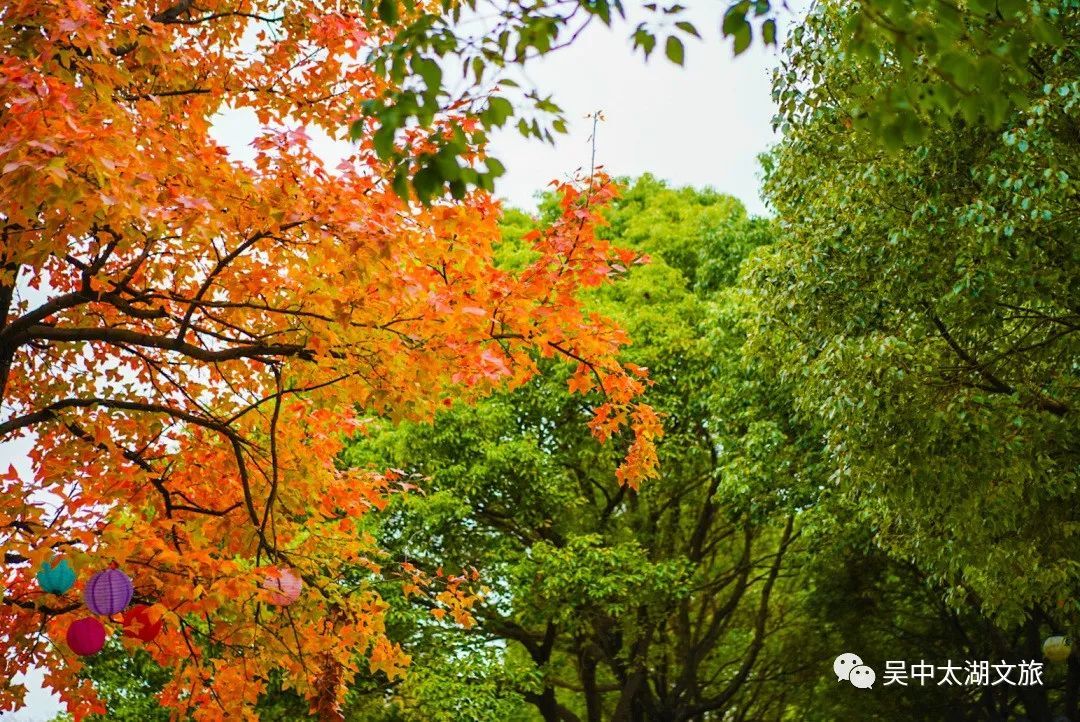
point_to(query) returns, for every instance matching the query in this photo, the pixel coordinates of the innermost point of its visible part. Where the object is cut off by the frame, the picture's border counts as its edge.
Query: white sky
(701, 125)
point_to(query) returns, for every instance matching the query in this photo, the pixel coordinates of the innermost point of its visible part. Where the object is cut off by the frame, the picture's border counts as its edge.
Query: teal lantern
(56, 579)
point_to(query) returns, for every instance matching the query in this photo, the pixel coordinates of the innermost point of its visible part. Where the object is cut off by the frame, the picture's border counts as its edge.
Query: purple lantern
(108, 592)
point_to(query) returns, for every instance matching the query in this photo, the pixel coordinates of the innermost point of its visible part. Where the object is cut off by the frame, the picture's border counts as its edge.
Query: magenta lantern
(285, 585)
(108, 592)
(86, 636)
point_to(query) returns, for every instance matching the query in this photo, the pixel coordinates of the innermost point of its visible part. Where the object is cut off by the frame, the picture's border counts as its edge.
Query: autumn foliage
(188, 338)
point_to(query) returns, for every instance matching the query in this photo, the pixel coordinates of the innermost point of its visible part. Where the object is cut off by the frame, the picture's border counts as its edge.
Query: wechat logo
(850, 668)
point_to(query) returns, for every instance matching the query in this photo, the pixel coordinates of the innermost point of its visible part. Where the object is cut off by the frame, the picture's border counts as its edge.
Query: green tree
(921, 312)
(128, 683)
(610, 603)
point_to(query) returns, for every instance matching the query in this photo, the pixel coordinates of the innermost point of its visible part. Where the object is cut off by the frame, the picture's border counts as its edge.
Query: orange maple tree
(188, 339)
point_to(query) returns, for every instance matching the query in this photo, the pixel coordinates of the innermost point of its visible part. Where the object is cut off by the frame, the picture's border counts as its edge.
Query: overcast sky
(701, 125)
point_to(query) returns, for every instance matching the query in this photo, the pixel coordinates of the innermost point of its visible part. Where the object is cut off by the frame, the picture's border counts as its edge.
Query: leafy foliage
(868, 405)
(128, 684)
(974, 61)
(590, 586)
(593, 585)
(186, 338)
(461, 57)
(923, 310)
(970, 60)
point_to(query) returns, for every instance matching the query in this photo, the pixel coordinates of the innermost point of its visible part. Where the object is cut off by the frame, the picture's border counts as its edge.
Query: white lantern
(1057, 649)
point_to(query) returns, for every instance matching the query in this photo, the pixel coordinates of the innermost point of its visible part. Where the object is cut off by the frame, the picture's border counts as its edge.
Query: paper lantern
(57, 578)
(138, 624)
(1057, 649)
(285, 585)
(108, 592)
(86, 636)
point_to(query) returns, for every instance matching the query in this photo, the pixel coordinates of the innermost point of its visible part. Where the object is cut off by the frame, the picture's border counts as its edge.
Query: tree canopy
(604, 602)
(372, 448)
(187, 337)
(922, 311)
(970, 60)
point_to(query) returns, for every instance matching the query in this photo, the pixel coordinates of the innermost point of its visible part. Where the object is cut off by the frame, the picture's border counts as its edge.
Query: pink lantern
(285, 585)
(108, 592)
(86, 636)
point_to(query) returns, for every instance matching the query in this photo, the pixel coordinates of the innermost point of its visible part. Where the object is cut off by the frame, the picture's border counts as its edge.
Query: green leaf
(742, 39)
(768, 32)
(498, 110)
(401, 184)
(645, 40)
(737, 27)
(430, 71)
(688, 28)
(735, 18)
(388, 11)
(383, 140)
(673, 49)
(426, 183)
